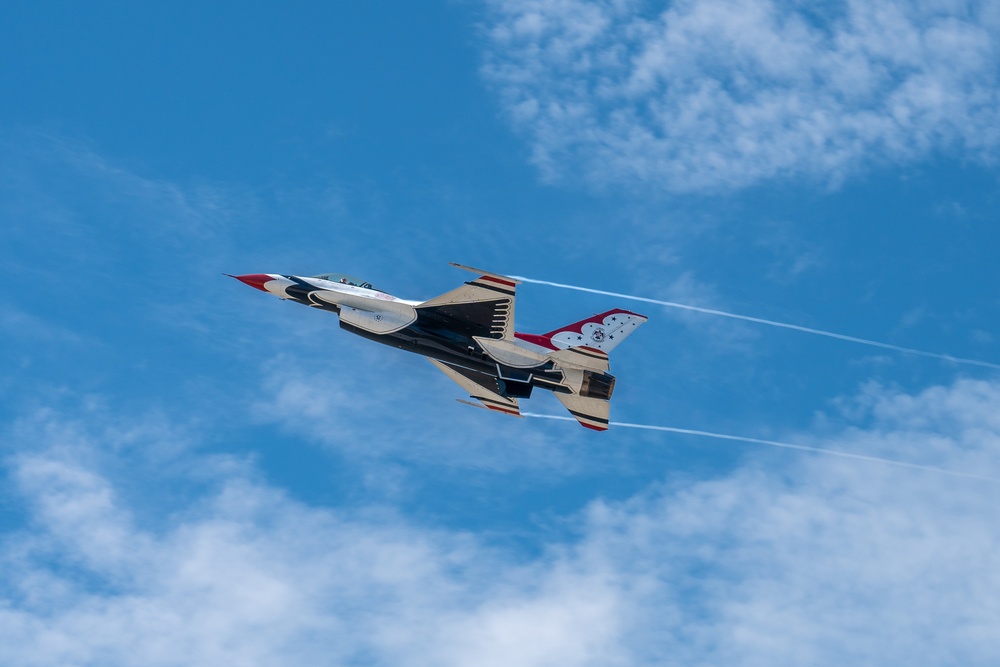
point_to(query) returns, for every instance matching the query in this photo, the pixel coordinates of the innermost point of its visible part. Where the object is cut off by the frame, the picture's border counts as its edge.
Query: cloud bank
(786, 560)
(713, 94)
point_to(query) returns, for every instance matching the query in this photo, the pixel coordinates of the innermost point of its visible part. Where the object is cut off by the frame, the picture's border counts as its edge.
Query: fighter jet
(469, 334)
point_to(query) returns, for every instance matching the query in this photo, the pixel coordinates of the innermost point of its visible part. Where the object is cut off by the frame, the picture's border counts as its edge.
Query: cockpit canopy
(345, 279)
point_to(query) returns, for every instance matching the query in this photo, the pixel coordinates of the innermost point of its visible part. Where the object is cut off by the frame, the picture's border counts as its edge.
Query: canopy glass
(345, 279)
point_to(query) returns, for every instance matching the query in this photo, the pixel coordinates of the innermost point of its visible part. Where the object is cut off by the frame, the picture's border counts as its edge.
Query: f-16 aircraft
(469, 334)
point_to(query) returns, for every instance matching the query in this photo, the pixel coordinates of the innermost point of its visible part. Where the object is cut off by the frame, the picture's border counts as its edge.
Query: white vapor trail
(758, 320)
(783, 445)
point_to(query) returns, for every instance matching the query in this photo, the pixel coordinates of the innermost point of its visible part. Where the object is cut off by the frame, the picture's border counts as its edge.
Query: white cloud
(18, 323)
(720, 335)
(246, 576)
(347, 404)
(67, 188)
(710, 94)
(788, 560)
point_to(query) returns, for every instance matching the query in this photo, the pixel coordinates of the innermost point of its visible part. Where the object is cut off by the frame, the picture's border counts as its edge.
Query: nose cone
(255, 280)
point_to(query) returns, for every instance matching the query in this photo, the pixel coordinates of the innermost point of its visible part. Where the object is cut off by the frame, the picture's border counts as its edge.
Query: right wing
(481, 387)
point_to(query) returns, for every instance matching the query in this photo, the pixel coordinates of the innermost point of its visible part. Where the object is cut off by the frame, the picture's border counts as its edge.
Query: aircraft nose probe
(256, 280)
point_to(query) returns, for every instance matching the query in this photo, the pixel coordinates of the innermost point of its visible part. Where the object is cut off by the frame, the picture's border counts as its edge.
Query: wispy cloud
(787, 560)
(711, 94)
(245, 575)
(51, 185)
(342, 405)
(15, 322)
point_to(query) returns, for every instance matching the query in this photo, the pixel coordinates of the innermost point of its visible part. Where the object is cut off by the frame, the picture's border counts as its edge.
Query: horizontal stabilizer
(592, 413)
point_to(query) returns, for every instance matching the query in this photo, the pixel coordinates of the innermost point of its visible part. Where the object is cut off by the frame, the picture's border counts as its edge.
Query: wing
(481, 387)
(481, 307)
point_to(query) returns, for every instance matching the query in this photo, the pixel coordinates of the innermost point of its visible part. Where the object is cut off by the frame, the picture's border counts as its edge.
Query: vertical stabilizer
(601, 332)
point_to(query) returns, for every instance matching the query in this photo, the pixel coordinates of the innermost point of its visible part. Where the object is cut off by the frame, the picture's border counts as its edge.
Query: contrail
(783, 445)
(758, 320)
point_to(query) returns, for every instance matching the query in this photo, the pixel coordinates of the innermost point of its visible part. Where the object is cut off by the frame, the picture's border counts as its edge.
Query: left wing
(481, 307)
(481, 387)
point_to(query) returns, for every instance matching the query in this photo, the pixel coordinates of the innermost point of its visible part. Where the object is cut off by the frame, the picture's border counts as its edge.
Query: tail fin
(602, 332)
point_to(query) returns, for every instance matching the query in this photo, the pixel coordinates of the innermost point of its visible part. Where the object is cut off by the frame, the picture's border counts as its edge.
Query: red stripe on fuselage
(534, 339)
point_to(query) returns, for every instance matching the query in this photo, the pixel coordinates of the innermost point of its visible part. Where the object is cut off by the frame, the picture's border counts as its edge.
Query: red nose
(255, 280)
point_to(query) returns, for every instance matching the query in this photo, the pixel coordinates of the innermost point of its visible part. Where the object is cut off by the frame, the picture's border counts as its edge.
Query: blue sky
(196, 474)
